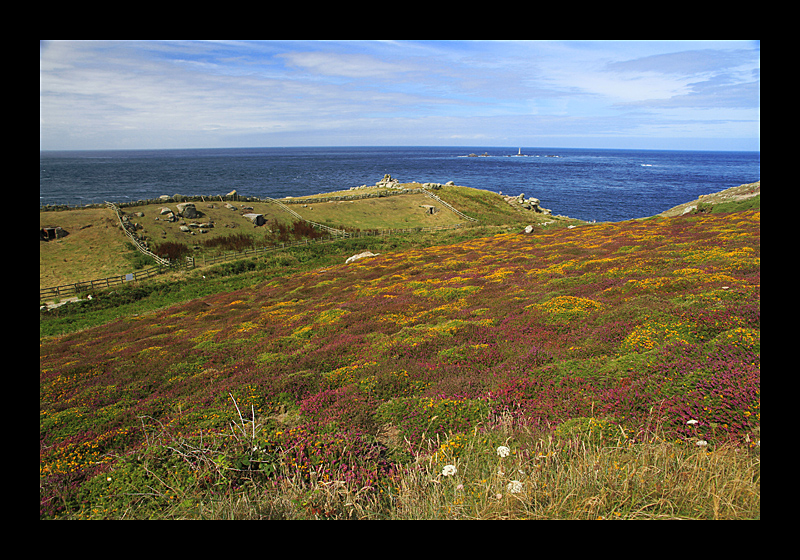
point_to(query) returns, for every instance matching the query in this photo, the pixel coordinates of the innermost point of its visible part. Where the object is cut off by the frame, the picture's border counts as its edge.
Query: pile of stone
(194, 226)
(436, 186)
(530, 203)
(184, 210)
(388, 182)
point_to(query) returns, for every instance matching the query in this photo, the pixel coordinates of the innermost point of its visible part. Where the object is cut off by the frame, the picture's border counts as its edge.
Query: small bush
(233, 242)
(171, 250)
(297, 230)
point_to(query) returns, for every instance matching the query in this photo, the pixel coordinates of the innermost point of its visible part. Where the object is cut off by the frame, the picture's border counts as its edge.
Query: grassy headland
(95, 248)
(606, 371)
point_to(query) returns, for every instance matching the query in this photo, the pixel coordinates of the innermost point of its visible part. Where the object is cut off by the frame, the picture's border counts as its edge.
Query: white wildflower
(503, 451)
(691, 422)
(449, 470)
(514, 487)
(701, 443)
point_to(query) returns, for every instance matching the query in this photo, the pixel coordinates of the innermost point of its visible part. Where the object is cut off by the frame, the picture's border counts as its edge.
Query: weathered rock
(257, 219)
(363, 255)
(387, 181)
(188, 210)
(164, 210)
(528, 229)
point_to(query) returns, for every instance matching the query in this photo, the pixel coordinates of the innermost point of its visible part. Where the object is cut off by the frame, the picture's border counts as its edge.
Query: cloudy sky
(697, 95)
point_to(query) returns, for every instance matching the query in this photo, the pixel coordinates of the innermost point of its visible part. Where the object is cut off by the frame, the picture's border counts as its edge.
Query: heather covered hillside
(350, 373)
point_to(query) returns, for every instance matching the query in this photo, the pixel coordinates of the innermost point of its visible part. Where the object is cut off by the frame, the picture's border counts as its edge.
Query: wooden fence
(76, 288)
(67, 290)
(447, 205)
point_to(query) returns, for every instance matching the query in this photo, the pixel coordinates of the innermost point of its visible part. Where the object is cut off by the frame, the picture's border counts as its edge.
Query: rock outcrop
(388, 182)
(188, 210)
(521, 203)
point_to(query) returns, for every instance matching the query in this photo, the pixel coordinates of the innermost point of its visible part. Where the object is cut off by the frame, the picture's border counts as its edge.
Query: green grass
(753, 203)
(94, 248)
(507, 471)
(149, 296)
(398, 211)
(619, 363)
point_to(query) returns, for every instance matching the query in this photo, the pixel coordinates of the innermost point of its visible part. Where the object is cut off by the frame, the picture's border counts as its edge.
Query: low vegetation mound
(623, 357)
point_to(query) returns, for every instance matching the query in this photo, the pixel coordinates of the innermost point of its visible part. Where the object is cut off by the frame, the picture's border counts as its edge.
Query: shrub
(233, 242)
(297, 230)
(171, 250)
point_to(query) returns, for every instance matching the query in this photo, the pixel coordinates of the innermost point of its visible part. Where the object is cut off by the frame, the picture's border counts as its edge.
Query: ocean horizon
(582, 183)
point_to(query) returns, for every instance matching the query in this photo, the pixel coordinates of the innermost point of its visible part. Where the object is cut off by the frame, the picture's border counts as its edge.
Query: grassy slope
(641, 325)
(94, 247)
(404, 211)
(734, 199)
(101, 250)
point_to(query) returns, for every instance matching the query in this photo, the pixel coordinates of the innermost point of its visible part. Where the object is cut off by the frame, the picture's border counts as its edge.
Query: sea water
(602, 185)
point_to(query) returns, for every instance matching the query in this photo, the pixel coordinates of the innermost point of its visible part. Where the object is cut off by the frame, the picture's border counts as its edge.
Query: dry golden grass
(94, 248)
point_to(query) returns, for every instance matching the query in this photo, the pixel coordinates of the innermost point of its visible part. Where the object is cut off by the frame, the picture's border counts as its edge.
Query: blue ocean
(588, 184)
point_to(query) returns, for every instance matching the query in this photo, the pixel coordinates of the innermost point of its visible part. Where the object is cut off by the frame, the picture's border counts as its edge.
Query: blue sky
(695, 95)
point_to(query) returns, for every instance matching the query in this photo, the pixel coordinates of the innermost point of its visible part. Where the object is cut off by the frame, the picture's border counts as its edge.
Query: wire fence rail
(164, 265)
(77, 288)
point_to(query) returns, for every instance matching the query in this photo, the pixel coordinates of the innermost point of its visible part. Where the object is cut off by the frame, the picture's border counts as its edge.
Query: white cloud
(108, 94)
(344, 65)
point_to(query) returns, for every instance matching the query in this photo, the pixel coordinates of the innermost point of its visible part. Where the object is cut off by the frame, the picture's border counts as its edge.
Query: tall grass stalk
(577, 479)
(543, 476)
